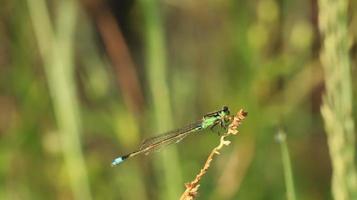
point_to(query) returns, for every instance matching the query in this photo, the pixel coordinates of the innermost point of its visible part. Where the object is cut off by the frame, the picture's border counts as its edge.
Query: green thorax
(213, 118)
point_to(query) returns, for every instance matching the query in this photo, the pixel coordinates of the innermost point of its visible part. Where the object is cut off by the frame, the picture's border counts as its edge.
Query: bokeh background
(82, 82)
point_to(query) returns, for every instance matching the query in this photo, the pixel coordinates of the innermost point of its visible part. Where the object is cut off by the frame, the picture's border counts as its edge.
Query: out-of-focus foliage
(126, 70)
(337, 102)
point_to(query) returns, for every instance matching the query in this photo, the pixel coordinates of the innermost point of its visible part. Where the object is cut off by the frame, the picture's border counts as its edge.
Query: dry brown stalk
(192, 187)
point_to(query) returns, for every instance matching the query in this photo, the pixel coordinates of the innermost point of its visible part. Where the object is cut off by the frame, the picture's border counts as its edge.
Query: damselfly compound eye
(226, 110)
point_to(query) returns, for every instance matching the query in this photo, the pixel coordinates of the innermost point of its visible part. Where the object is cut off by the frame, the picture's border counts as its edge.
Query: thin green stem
(156, 69)
(288, 173)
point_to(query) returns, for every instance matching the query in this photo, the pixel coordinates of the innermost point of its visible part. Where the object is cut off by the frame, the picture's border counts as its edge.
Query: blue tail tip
(117, 161)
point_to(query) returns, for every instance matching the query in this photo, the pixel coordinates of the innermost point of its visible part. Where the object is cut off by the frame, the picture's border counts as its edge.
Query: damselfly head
(225, 109)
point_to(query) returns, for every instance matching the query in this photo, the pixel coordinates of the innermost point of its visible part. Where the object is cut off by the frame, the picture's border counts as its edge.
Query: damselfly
(210, 120)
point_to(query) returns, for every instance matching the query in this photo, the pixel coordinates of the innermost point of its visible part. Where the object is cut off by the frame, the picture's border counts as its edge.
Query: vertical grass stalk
(156, 69)
(288, 173)
(57, 53)
(337, 102)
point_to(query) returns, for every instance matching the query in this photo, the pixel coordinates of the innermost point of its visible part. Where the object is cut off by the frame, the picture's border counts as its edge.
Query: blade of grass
(288, 173)
(156, 69)
(57, 52)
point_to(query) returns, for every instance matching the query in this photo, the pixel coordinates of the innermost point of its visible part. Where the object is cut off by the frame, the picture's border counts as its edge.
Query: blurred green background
(82, 82)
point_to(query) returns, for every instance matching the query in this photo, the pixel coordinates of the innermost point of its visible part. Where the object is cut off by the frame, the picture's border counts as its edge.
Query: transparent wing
(160, 144)
(169, 137)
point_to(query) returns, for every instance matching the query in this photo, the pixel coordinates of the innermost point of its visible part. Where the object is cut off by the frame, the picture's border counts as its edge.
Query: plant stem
(191, 191)
(337, 102)
(57, 52)
(288, 173)
(156, 69)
